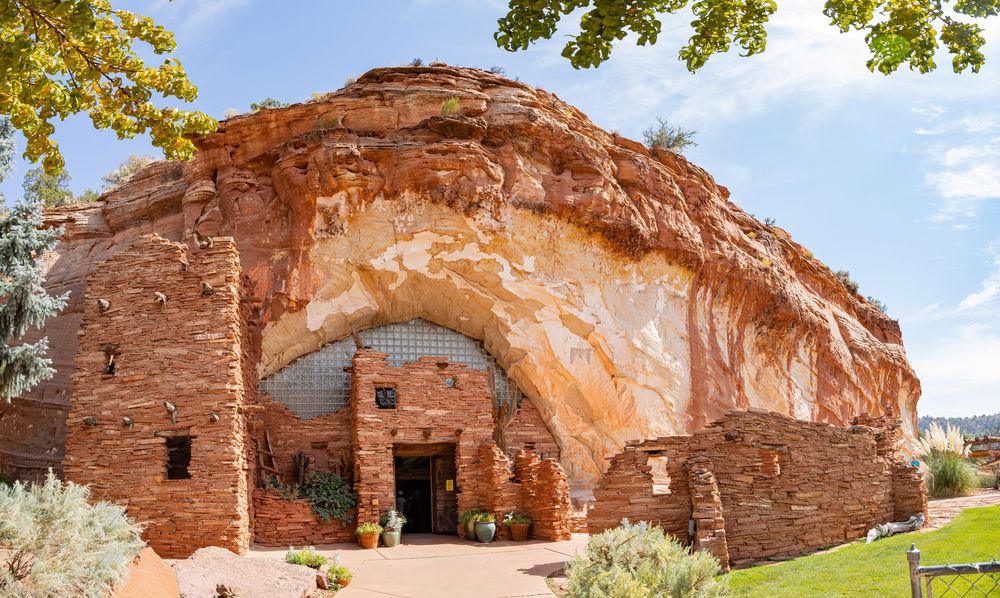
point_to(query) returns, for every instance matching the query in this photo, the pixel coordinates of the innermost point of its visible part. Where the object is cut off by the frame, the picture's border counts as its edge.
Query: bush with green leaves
(466, 516)
(330, 496)
(392, 520)
(668, 137)
(306, 556)
(53, 543)
(642, 561)
(450, 106)
(369, 528)
(950, 475)
(515, 518)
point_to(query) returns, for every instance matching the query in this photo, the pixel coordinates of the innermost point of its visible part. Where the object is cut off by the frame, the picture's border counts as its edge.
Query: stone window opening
(770, 462)
(661, 477)
(178, 457)
(385, 397)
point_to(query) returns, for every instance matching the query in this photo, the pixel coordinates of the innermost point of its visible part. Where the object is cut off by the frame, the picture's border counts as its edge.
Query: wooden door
(443, 486)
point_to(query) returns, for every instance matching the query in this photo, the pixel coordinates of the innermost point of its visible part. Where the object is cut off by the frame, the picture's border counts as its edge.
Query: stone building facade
(757, 484)
(167, 419)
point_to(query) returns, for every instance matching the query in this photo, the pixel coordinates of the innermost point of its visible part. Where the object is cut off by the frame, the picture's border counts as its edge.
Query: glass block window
(317, 383)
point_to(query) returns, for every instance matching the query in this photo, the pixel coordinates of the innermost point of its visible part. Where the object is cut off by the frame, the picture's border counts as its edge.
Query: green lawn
(877, 569)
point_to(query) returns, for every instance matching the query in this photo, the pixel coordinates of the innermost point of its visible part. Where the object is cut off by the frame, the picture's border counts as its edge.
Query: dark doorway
(413, 493)
(425, 487)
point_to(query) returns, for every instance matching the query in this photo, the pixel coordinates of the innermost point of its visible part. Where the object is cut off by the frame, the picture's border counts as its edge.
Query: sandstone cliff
(619, 286)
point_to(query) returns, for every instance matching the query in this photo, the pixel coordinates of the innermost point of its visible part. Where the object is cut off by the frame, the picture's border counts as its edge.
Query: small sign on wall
(449, 485)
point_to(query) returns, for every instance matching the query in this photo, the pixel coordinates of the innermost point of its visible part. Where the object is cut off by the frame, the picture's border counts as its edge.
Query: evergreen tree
(24, 303)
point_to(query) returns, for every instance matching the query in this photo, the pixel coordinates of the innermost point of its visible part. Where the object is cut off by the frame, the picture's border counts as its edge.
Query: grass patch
(879, 569)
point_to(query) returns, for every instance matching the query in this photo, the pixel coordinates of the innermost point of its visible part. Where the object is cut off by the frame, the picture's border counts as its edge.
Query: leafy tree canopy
(897, 31)
(268, 103)
(59, 58)
(48, 190)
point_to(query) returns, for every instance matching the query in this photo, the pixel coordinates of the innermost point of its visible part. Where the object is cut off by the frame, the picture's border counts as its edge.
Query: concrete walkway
(429, 566)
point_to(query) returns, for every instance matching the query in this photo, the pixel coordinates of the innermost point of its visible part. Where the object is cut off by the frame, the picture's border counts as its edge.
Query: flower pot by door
(519, 531)
(470, 530)
(368, 540)
(485, 530)
(391, 538)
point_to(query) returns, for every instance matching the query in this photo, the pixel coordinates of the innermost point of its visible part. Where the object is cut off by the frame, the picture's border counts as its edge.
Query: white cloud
(991, 285)
(194, 16)
(959, 373)
(966, 177)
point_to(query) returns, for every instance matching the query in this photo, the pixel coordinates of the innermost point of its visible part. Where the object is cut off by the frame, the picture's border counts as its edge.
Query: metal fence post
(913, 556)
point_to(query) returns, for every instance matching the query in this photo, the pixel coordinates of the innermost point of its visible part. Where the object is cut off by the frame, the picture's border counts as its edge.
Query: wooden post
(913, 556)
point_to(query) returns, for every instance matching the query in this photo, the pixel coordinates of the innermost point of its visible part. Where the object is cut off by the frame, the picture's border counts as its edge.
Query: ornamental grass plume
(937, 440)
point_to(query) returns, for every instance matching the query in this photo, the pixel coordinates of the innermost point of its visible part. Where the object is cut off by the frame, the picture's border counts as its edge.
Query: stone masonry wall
(326, 439)
(185, 351)
(706, 510)
(281, 522)
(528, 431)
(787, 487)
(533, 487)
(428, 411)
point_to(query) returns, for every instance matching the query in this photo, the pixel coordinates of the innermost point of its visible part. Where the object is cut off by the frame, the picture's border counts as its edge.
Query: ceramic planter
(470, 529)
(369, 540)
(391, 537)
(485, 530)
(519, 531)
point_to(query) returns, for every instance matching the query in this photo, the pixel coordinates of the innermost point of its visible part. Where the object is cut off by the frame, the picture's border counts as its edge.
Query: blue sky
(895, 179)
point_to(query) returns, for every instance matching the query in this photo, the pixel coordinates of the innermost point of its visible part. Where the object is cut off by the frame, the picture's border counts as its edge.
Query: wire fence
(974, 580)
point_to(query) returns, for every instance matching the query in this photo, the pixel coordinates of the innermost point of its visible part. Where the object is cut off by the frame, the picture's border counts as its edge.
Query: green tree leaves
(62, 58)
(47, 190)
(897, 32)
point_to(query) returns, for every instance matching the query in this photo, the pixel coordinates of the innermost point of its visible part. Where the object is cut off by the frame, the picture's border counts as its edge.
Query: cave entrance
(425, 487)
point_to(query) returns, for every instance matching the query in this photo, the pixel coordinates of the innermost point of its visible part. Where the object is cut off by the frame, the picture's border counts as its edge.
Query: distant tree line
(976, 425)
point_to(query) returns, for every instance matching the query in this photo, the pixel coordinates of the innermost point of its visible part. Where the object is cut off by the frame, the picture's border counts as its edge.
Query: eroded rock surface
(623, 291)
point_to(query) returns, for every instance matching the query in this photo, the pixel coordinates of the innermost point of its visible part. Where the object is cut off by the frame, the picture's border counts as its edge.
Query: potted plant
(339, 575)
(467, 520)
(486, 527)
(518, 525)
(368, 534)
(392, 522)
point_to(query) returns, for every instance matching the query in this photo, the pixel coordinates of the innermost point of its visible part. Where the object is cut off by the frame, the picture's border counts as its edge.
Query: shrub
(328, 122)
(369, 528)
(267, 104)
(54, 544)
(845, 279)
(449, 106)
(307, 556)
(337, 574)
(417, 62)
(392, 520)
(950, 475)
(331, 497)
(486, 518)
(668, 137)
(514, 518)
(938, 441)
(877, 304)
(642, 561)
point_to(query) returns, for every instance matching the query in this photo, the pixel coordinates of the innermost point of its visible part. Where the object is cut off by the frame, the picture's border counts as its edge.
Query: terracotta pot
(519, 531)
(369, 540)
(343, 582)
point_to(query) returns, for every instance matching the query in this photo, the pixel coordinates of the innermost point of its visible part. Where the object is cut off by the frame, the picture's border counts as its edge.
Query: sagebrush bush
(950, 475)
(640, 561)
(54, 544)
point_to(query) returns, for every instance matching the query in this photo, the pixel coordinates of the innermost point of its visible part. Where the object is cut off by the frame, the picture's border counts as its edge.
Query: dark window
(385, 397)
(178, 457)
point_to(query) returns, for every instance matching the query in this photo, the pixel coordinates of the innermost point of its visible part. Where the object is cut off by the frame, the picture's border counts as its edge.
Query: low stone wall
(283, 522)
(760, 484)
(536, 488)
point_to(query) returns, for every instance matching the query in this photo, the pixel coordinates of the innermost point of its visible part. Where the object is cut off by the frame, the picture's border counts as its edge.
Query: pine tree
(24, 303)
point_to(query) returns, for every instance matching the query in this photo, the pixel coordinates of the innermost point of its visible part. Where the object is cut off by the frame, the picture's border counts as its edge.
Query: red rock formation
(619, 286)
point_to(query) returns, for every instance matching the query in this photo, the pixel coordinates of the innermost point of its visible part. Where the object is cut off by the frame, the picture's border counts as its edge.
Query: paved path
(942, 511)
(433, 566)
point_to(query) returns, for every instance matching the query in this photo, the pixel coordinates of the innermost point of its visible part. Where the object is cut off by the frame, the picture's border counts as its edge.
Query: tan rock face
(623, 291)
